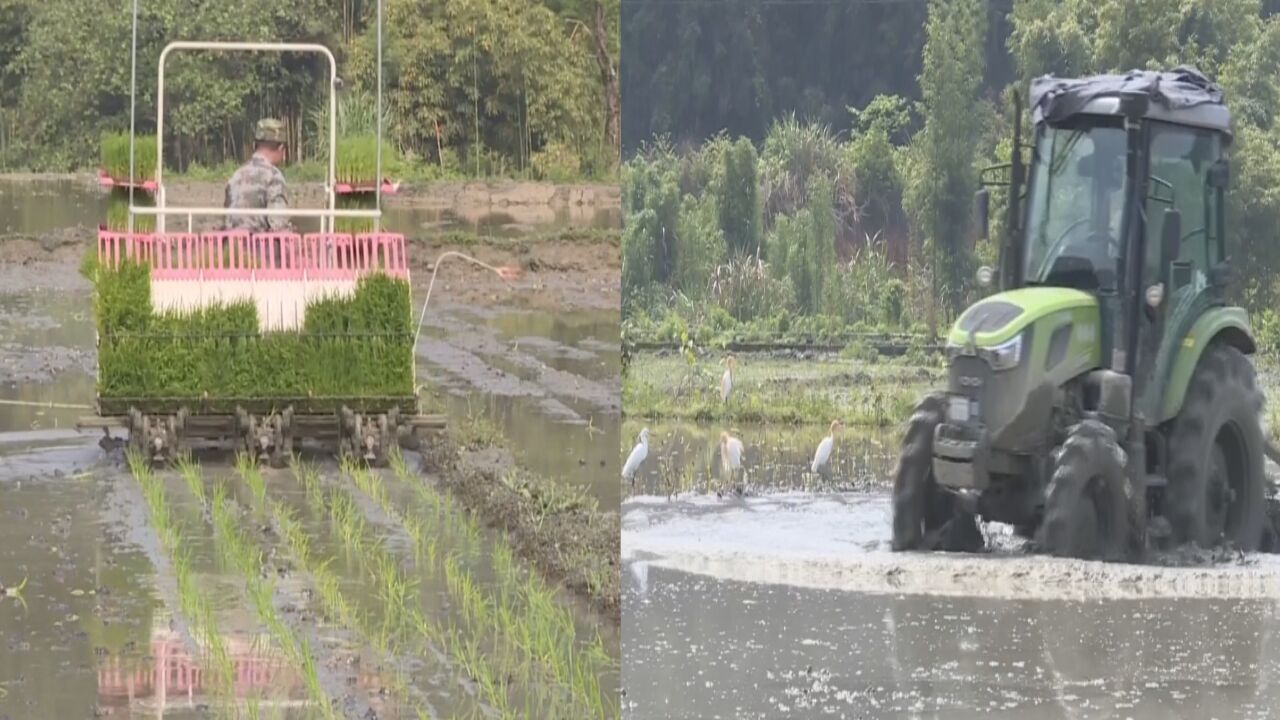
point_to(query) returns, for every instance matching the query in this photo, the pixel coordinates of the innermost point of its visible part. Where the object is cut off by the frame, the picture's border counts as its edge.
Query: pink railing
(239, 255)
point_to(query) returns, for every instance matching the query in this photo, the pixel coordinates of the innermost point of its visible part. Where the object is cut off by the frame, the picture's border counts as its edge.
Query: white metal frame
(161, 211)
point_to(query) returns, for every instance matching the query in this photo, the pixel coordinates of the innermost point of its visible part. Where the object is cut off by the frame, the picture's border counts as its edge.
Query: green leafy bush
(557, 162)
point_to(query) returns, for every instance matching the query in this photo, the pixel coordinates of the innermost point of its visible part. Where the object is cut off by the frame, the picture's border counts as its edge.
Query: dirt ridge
(574, 543)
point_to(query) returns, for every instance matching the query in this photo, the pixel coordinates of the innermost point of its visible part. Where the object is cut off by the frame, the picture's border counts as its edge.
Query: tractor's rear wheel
(1086, 512)
(1217, 485)
(926, 516)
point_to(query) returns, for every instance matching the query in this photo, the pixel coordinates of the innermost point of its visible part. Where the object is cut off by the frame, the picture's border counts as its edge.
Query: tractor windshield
(1076, 205)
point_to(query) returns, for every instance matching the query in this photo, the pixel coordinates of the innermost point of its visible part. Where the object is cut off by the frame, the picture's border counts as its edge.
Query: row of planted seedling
(404, 625)
(193, 603)
(526, 628)
(326, 582)
(245, 556)
(515, 635)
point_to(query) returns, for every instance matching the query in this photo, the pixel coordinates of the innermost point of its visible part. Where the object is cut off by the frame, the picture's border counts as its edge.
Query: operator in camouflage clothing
(259, 182)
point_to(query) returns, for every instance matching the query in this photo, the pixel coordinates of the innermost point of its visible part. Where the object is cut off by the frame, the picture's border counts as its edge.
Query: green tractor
(1103, 401)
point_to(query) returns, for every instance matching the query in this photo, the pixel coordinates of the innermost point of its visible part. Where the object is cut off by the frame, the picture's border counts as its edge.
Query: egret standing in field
(726, 380)
(730, 455)
(823, 453)
(637, 456)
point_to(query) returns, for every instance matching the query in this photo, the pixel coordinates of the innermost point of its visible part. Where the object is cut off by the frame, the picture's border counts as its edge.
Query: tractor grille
(970, 376)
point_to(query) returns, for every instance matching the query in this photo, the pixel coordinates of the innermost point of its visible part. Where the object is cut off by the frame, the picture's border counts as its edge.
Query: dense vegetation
(348, 347)
(863, 219)
(476, 87)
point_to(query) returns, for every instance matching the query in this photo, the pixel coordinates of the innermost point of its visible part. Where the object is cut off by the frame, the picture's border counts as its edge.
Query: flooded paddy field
(792, 604)
(786, 601)
(214, 590)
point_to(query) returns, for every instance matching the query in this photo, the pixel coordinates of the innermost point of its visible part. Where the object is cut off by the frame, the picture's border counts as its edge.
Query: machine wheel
(925, 516)
(1217, 484)
(1087, 506)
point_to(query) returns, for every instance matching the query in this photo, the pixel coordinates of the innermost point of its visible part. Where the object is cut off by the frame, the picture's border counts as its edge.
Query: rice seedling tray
(388, 188)
(107, 181)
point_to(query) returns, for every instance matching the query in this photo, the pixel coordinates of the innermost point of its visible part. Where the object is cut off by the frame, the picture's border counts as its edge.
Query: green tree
(739, 205)
(939, 196)
(802, 247)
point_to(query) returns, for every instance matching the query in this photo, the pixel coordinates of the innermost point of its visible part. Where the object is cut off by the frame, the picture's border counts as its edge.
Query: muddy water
(36, 208)
(697, 646)
(793, 604)
(685, 457)
(549, 382)
(94, 630)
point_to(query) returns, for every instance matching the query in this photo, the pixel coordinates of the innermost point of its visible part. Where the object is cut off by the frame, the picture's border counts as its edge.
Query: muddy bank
(841, 542)
(467, 352)
(557, 274)
(562, 533)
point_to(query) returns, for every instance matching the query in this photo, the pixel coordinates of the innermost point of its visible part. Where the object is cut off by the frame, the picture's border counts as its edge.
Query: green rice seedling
(525, 626)
(118, 211)
(353, 346)
(115, 156)
(355, 201)
(357, 160)
(261, 590)
(193, 603)
(248, 470)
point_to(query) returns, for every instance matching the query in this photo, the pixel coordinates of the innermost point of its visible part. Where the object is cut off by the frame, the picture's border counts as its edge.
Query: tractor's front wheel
(926, 516)
(1086, 512)
(1217, 485)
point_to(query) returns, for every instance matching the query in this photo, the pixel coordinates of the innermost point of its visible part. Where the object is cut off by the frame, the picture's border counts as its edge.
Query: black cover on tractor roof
(1181, 95)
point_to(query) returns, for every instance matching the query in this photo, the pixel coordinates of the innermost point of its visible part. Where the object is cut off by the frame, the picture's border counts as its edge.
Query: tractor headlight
(1004, 356)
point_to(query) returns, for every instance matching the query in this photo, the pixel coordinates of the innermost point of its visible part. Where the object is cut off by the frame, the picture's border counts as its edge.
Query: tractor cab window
(1181, 158)
(1076, 207)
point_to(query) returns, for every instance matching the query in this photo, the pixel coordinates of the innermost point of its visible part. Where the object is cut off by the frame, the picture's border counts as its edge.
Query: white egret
(730, 454)
(726, 380)
(637, 456)
(823, 454)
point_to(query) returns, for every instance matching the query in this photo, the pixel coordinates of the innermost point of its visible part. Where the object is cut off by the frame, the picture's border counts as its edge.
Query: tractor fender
(1224, 325)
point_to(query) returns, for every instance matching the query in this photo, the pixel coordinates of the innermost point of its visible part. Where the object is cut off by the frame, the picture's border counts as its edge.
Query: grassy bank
(774, 390)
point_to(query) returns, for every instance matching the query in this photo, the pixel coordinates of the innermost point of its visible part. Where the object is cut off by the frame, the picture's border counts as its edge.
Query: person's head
(269, 140)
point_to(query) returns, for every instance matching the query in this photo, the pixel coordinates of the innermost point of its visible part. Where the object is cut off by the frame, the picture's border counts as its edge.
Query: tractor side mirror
(981, 212)
(1171, 235)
